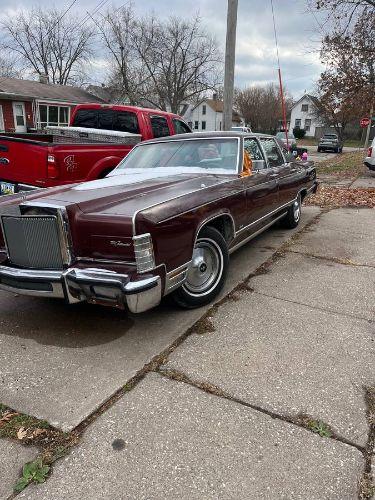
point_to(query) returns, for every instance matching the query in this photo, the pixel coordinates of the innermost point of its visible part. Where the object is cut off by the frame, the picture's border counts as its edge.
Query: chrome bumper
(97, 286)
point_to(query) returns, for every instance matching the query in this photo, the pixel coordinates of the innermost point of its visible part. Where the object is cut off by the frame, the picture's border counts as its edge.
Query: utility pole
(369, 127)
(230, 55)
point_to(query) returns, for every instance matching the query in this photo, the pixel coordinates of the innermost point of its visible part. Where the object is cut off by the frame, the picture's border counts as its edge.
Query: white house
(208, 115)
(304, 114)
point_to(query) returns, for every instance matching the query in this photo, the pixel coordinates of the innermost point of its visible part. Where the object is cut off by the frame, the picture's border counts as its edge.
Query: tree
(344, 11)
(8, 67)
(346, 87)
(164, 63)
(49, 43)
(299, 133)
(261, 107)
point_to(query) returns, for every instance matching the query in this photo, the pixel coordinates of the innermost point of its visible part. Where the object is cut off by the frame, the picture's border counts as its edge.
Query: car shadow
(53, 322)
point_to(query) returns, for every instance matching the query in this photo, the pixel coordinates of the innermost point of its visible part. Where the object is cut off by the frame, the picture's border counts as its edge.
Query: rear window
(107, 119)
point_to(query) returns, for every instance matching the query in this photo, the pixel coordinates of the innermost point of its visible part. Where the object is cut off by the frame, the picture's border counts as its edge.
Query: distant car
(292, 142)
(241, 129)
(370, 158)
(330, 142)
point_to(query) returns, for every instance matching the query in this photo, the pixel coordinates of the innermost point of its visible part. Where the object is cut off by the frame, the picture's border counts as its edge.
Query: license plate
(7, 188)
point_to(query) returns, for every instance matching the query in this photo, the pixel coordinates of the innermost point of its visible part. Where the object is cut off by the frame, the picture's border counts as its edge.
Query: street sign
(364, 122)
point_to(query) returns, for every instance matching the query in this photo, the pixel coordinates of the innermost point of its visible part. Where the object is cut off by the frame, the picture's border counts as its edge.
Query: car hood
(128, 192)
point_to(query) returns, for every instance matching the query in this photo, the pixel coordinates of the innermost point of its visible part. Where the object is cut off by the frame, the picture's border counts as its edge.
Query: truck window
(87, 118)
(125, 121)
(105, 119)
(180, 127)
(159, 126)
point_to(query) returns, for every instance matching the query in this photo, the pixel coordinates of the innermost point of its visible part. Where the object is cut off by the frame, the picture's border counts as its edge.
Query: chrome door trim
(264, 217)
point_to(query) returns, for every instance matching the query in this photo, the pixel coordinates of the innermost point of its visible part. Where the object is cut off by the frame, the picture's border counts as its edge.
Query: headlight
(144, 252)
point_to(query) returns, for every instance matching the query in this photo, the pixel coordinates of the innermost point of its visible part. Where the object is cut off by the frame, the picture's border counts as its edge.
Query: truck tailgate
(23, 160)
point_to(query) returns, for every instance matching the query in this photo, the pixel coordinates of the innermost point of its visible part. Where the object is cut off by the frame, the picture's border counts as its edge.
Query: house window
(203, 109)
(307, 124)
(196, 125)
(305, 107)
(50, 115)
(298, 122)
(203, 125)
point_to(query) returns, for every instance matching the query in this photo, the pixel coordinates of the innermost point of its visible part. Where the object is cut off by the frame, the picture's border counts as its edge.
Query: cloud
(256, 58)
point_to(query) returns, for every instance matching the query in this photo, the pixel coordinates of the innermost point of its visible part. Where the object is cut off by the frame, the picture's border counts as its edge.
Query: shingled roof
(36, 90)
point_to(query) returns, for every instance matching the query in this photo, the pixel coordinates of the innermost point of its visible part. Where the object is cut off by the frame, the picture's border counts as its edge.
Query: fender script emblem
(119, 244)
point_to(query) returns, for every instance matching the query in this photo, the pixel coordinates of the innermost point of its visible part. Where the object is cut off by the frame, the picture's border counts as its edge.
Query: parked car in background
(98, 138)
(292, 141)
(370, 158)
(241, 129)
(330, 142)
(163, 222)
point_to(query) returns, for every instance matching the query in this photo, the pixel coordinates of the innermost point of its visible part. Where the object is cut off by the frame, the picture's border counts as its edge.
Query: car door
(160, 126)
(280, 169)
(261, 188)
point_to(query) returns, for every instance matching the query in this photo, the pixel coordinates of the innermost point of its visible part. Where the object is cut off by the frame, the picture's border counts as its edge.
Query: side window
(126, 121)
(180, 127)
(251, 146)
(273, 153)
(159, 126)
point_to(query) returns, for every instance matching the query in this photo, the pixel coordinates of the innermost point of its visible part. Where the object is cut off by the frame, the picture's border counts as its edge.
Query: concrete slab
(320, 283)
(367, 182)
(168, 440)
(13, 458)
(288, 359)
(75, 357)
(342, 234)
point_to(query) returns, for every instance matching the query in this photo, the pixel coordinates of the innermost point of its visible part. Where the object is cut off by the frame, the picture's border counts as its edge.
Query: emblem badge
(4, 161)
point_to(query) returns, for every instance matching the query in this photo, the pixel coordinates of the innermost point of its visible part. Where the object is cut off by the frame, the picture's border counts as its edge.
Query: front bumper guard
(76, 285)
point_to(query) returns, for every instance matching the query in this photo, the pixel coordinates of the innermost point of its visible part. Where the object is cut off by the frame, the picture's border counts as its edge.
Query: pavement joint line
(316, 308)
(366, 483)
(344, 262)
(209, 388)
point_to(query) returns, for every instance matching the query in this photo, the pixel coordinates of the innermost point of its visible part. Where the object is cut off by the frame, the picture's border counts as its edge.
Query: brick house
(27, 105)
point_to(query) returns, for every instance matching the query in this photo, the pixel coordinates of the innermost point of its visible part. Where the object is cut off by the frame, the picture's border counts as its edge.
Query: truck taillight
(52, 169)
(369, 152)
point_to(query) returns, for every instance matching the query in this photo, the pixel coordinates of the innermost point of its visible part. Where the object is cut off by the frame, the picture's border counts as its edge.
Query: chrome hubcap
(205, 269)
(297, 210)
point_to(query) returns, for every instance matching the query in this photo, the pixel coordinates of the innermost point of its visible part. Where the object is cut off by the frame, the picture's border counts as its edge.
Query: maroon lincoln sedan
(163, 222)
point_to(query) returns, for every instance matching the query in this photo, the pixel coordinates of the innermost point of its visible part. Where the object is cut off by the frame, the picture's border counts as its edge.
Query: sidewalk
(271, 400)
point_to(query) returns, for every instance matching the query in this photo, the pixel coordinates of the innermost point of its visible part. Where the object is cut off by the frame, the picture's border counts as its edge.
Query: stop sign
(364, 122)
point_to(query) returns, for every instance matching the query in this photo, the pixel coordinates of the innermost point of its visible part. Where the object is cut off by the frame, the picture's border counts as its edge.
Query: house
(28, 105)
(304, 114)
(208, 115)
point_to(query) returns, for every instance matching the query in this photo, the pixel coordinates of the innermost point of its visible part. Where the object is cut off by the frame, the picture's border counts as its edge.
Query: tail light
(144, 252)
(369, 152)
(52, 168)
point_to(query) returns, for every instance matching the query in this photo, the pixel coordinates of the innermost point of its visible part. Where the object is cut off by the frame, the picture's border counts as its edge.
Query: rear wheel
(319, 150)
(207, 272)
(292, 218)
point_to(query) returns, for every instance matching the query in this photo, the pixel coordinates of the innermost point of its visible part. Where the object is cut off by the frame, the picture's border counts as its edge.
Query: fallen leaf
(21, 433)
(7, 417)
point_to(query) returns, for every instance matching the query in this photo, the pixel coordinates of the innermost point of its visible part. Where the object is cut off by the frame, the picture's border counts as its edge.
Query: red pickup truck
(29, 161)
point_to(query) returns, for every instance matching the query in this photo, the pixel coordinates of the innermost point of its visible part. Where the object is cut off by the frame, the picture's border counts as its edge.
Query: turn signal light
(52, 169)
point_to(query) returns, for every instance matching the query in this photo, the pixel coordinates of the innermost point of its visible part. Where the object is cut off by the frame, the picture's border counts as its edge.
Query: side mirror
(258, 164)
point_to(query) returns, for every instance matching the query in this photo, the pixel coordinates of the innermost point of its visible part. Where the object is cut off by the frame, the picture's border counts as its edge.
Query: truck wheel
(207, 272)
(319, 150)
(292, 218)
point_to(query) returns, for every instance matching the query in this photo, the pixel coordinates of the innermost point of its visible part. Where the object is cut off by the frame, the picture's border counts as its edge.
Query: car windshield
(195, 155)
(329, 136)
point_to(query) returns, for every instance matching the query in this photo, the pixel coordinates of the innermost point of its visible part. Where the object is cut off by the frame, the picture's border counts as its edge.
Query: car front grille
(33, 242)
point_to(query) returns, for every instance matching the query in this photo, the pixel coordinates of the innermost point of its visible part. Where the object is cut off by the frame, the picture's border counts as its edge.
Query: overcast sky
(256, 63)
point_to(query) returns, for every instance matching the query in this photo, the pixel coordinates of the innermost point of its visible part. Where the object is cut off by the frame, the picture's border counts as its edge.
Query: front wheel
(207, 271)
(292, 218)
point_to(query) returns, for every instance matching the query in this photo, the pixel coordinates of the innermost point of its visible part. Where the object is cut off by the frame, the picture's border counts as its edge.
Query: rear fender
(102, 167)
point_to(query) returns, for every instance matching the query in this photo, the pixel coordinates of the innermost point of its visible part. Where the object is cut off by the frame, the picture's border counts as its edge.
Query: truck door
(160, 126)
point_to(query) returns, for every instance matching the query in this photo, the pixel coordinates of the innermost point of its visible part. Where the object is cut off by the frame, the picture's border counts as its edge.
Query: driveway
(267, 395)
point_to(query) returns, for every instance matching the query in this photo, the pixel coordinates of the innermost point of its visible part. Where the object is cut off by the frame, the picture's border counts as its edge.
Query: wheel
(319, 150)
(207, 272)
(292, 218)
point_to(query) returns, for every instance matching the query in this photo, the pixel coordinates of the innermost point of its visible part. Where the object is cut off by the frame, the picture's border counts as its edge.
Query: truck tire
(208, 270)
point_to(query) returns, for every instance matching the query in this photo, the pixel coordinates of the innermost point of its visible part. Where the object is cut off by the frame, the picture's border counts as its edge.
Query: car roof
(207, 135)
